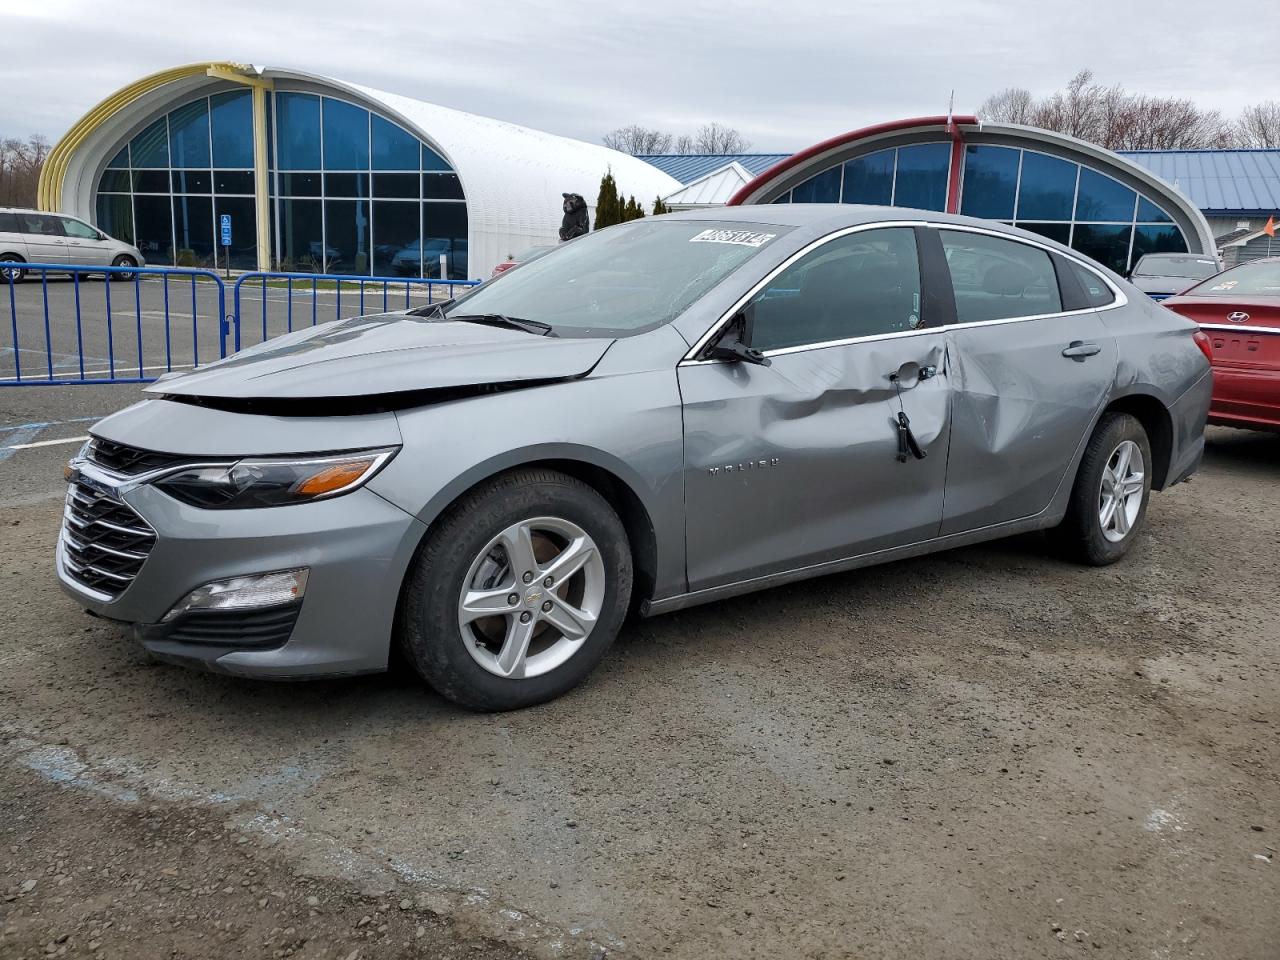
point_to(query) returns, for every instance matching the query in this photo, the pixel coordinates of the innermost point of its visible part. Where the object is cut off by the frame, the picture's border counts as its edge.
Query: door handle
(925, 372)
(1079, 350)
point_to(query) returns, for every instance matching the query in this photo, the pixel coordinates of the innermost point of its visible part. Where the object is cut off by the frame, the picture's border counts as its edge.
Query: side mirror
(736, 351)
(733, 344)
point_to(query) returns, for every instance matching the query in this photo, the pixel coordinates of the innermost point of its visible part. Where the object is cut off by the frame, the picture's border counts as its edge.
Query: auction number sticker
(743, 238)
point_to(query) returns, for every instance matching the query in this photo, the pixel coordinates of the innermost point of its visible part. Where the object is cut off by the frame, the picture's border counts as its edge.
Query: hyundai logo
(1238, 317)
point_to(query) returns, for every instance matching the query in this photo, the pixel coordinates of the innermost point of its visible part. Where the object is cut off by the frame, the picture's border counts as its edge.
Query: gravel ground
(982, 754)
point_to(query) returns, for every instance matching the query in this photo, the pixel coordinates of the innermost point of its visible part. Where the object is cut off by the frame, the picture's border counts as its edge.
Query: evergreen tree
(659, 207)
(608, 204)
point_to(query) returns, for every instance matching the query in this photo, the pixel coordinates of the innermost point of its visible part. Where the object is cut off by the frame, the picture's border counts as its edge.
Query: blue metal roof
(1219, 181)
(689, 167)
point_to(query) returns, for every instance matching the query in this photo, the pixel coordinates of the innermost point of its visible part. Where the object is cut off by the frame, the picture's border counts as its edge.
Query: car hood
(1156, 284)
(386, 354)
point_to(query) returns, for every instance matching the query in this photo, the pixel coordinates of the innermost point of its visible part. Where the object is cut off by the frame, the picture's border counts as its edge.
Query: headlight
(262, 482)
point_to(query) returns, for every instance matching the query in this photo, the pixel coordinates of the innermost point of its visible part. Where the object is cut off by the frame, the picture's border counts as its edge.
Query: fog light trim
(250, 592)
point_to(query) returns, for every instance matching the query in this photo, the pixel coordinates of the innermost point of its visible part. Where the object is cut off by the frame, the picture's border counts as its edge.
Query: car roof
(1201, 257)
(826, 217)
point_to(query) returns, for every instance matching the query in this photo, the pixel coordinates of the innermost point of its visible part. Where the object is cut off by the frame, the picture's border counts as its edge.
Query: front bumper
(357, 548)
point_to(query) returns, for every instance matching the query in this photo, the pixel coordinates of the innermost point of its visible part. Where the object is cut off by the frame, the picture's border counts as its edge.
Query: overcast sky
(784, 73)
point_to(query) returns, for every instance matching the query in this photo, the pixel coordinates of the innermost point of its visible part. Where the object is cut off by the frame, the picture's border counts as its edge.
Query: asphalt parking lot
(981, 754)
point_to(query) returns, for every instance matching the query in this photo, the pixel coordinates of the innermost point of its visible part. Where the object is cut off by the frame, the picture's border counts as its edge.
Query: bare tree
(710, 138)
(635, 139)
(20, 163)
(1112, 116)
(1259, 126)
(1011, 105)
(716, 138)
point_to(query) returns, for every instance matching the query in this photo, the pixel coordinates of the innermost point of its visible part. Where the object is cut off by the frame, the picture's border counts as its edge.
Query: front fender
(628, 425)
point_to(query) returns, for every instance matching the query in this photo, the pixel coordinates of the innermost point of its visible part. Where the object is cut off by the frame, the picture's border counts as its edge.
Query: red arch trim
(895, 126)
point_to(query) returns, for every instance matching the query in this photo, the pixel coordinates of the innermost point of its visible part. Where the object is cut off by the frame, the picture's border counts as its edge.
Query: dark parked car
(659, 414)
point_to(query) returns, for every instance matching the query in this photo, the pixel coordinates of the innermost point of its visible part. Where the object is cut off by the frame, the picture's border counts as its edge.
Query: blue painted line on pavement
(42, 424)
(21, 436)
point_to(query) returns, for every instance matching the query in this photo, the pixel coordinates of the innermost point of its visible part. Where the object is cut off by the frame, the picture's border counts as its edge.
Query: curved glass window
(1054, 197)
(823, 188)
(921, 179)
(869, 179)
(990, 182)
(351, 191)
(1101, 199)
(298, 131)
(189, 135)
(1047, 189)
(914, 176)
(231, 126)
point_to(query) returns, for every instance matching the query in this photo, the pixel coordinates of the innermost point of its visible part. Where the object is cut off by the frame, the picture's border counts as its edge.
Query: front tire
(1111, 493)
(518, 591)
(124, 260)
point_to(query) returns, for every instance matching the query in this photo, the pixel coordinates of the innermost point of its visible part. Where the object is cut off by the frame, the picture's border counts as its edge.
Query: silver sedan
(665, 413)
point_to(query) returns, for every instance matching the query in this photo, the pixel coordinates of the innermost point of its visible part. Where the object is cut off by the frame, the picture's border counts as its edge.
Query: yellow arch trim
(49, 192)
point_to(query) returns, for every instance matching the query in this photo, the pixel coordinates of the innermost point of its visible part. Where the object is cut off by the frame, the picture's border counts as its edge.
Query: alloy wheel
(531, 597)
(1123, 488)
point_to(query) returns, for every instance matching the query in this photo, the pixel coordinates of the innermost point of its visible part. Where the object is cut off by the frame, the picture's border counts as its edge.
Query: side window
(40, 224)
(858, 285)
(9, 223)
(1096, 292)
(78, 230)
(998, 279)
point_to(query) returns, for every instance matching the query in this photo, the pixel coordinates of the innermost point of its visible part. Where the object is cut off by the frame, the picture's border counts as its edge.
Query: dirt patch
(986, 753)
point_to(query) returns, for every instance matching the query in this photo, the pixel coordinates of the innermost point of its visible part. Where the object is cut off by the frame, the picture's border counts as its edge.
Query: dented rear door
(1028, 380)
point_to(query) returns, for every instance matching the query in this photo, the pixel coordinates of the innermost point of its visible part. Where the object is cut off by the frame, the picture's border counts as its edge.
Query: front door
(46, 242)
(85, 246)
(1028, 377)
(798, 463)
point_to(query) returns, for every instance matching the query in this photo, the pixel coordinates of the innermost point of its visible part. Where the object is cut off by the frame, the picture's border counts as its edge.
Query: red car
(1239, 309)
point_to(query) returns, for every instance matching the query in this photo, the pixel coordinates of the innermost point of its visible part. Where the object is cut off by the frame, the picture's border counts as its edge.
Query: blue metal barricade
(70, 324)
(277, 294)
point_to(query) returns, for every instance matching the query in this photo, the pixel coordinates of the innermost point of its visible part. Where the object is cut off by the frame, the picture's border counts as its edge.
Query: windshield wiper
(501, 320)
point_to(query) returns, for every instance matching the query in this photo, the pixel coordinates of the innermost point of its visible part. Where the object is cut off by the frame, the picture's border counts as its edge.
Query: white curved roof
(512, 176)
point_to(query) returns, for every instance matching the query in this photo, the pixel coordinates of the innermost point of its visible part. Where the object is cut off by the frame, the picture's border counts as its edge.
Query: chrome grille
(104, 542)
(129, 461)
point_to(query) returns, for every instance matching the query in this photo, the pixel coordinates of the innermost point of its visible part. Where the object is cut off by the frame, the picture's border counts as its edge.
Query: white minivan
(30, 236)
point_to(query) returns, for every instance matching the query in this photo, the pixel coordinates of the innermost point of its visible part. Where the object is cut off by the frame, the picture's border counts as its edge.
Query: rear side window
(998, 279)
(40, 224)
(1096, 292)
(9, 223)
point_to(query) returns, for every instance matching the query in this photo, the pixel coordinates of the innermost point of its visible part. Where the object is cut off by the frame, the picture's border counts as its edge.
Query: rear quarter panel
(1159, 358)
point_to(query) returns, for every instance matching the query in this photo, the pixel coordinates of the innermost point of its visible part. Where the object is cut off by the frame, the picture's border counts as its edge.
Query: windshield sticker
(743, 238)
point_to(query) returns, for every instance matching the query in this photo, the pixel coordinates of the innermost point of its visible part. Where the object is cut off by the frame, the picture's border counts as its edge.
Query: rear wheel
(1112, 489)
(9, 273)
(518, 592)
(124, 260)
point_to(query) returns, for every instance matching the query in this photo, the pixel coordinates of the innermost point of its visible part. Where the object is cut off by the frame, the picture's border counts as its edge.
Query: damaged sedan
(667, 412)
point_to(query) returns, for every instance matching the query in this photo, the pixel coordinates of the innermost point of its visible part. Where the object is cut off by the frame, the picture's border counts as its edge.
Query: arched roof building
(1077, 193)
(320, 175)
